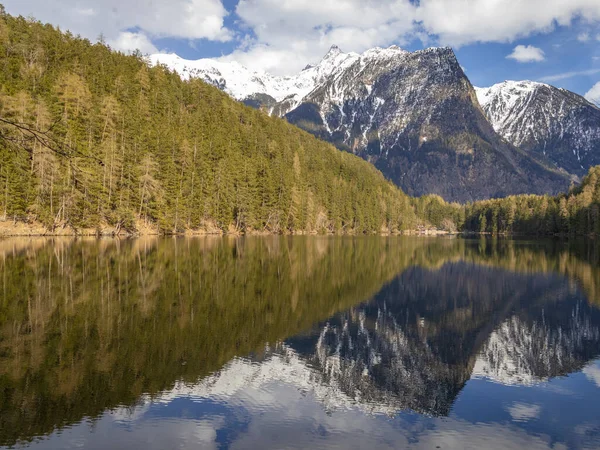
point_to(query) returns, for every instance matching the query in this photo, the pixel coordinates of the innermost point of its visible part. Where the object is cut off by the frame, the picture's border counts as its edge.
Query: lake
(299, 342)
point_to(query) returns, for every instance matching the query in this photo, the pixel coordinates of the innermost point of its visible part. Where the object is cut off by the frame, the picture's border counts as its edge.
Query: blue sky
(553, 41)
(568, 62)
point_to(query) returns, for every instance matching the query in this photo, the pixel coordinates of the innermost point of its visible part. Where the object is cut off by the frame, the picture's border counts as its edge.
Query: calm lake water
(304, 342)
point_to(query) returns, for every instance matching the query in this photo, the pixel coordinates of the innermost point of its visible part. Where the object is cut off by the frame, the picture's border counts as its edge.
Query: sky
(552, 41)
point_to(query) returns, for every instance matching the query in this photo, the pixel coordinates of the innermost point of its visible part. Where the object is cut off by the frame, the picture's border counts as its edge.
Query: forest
(95, 139)
(90, 137)
(575, 213)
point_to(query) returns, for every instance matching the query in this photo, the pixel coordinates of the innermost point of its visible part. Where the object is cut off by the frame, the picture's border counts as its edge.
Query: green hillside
(90, 137)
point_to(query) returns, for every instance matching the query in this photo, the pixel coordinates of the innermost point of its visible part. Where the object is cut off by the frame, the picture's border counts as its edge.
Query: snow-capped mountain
(244, 84)
(546, 121)
(523, 353)
(415, 115)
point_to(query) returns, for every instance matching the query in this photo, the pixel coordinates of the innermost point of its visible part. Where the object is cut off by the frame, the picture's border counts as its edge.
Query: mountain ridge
(545, 121)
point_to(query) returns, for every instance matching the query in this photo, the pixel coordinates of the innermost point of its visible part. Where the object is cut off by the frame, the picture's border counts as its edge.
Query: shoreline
(11, 228)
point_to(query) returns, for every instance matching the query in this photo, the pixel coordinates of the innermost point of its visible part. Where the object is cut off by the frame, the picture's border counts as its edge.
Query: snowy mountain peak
(442, 52)
(510, 91)
(230, 76)
(553, 123)
(241, 82)
(333, 52)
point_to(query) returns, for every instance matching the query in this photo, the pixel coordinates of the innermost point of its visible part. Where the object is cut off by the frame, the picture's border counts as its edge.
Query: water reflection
(428, 332)
(299, 342)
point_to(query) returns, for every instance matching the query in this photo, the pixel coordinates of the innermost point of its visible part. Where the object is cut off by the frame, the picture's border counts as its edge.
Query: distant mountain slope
(546, 121)
(246, 85)
(414, 115)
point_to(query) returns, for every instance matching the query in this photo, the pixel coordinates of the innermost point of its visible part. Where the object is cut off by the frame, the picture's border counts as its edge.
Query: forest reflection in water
(401, 330)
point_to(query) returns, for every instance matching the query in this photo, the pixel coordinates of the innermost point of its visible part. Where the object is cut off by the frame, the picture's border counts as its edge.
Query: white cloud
(593, 96)
(527, 53)
(287, 34)
(565, 75)
(128, 41)
(115, 19)
(283, 35)
(459, 22)
(524, 412)
(583, 37)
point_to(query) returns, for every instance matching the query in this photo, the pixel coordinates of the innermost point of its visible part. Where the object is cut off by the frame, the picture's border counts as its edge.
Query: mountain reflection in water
(299, 342)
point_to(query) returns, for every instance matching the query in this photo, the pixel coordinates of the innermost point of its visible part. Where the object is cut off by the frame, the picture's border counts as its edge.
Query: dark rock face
(259, 101)
(545, 121)
(415, 116)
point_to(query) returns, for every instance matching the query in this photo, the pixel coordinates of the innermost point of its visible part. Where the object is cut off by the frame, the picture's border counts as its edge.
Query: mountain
(257, 88)
(545, 121)
(414, 115)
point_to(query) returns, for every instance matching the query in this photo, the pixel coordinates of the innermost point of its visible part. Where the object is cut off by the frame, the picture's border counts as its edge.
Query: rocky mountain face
(414, 115)
(545, 121)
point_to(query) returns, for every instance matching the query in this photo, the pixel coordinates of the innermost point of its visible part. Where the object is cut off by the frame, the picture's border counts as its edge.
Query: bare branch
(44, 138)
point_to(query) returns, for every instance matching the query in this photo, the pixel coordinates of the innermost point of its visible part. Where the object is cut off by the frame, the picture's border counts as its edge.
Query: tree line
(574, 213)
